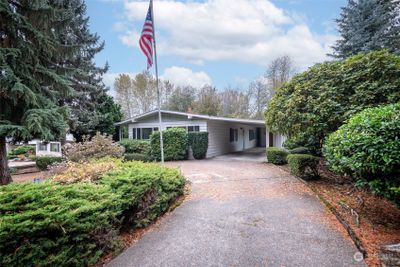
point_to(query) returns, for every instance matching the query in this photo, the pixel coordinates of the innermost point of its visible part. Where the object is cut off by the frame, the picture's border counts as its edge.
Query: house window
(138, 133)
(193, 129)
(42, 147)
(155, 129)
(146, 132)
(252, 135)
(54, 147)
(233, 135)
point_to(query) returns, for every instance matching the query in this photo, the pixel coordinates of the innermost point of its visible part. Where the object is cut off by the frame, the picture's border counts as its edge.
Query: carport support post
(158, 89)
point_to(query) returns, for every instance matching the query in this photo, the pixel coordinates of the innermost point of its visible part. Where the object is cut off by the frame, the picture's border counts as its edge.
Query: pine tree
(90, 107)
(367, 25)
(31, 82)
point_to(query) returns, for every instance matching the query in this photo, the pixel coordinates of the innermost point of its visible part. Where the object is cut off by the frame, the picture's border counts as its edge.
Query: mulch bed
(374, 221)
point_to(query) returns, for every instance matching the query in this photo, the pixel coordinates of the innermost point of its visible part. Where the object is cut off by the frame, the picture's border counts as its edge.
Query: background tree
(144, 92)
(31, 81)
(208, 101)
(316, 102)
(367, 25)
(181, 99)
(124, 94)
(259, 95)
(234, 103)
(279, 71)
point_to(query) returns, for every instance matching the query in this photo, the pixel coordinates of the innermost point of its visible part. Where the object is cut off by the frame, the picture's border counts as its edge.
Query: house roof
(190, 116)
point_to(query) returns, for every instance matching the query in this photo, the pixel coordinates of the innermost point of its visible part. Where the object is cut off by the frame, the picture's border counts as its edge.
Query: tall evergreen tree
(31, 81)
(367, 25)
(90, 106)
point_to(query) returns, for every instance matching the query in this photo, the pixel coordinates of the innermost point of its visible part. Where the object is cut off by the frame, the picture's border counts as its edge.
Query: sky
(218, 42)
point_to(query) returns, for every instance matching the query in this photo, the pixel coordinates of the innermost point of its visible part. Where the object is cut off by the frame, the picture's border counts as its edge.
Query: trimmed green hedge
(137, 156)
(135, 146)
(55, 225)
(175, 144)
(277, 155)
(43, 162)
(198, 141)
(303, 166)
(367, 147)
(52, 224)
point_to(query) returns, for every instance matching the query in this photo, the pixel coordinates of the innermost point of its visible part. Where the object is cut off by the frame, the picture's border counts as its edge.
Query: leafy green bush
(175, 144)
(198, 141)
(146, 189)
(303, 166)
(300, 150)
(137, 156)
(135, 146)
(277, 155)
(56, 225)
(43, 162)
(368, 148)
(22, 150)
(318, 101)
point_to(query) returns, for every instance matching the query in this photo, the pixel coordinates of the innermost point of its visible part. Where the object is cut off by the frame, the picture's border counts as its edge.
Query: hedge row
(175, 142)
(135, 146)
(198, 141)
(52, 224)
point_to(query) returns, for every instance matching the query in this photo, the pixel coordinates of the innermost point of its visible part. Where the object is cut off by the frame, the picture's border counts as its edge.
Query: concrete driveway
(243, 213)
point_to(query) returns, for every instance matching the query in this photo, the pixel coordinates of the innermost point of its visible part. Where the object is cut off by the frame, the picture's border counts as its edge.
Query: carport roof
(191, 116)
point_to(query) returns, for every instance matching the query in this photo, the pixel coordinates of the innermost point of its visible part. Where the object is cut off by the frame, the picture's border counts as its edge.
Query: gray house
(226, 135)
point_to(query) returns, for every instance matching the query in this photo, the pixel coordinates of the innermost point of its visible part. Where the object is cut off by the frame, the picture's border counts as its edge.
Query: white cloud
(184, 76)
(254, 31)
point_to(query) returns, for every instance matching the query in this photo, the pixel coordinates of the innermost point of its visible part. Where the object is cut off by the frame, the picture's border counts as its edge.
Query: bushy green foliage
(146, 189)
(368, 147)
(135, 146)
(23, 150)
(56, 225)
(43, 162)
(137, 156)
(303, 166)
(175, 144)
(300, 150)
(316, 102)
(198, 141)
(277, 155)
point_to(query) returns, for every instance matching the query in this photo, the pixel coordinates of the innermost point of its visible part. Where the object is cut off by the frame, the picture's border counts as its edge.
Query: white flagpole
(158, 89)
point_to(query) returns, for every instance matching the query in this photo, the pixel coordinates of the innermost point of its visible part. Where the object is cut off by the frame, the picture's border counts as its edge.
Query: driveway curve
(243, 213)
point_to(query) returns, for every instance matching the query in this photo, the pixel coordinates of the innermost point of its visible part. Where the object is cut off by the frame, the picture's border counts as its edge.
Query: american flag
(146, 39)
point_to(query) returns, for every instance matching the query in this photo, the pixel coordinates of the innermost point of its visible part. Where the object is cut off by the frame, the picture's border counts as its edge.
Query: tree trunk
(5, 176)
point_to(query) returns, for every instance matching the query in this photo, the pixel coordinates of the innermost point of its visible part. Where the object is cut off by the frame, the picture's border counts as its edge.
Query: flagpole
(158, 89)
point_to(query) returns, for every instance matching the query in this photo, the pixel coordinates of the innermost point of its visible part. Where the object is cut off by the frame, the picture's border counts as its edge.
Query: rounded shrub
(135, 146)
(175, 144)
(44, 162)
(277, 155)
(368, 147)
(303, 166)
(198, 141)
